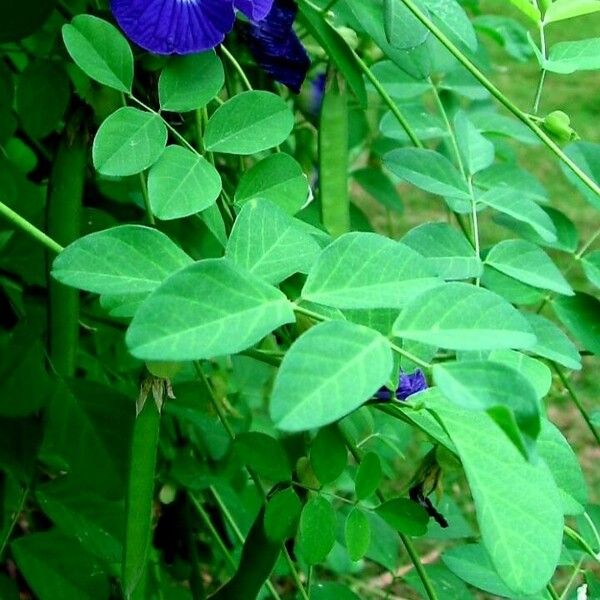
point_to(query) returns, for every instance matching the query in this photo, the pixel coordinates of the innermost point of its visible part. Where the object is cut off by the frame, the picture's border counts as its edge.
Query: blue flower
(408, 384)
(182, 26)
(276, 47)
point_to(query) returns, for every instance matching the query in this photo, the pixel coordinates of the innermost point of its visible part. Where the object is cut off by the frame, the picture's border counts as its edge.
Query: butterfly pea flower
(275, 46)
(183, 26)
(190, 26)
(408, 384)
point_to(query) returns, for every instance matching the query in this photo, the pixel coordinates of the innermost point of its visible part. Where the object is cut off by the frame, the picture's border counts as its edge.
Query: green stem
(144, 186)
(13, 523)
(540, 86)
(579, 540)
(211, 528)
(577, 402)
(574, 575)
(236, 65)
(24, 225)
(387, 99)
(552, 592)
(592, 526)
(506, 102)
(588, 244)
(410, 549)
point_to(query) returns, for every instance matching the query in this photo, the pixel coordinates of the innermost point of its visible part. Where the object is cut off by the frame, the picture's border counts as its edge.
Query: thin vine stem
(579, 540)
(574, 575)
(552, 592)
(504, 100)
(15, 519)
(567, 384)
(408, 545)
(147, 206)
(236, 65)
(31, 230)
(253, 475)
(388, 100)
(540, 86)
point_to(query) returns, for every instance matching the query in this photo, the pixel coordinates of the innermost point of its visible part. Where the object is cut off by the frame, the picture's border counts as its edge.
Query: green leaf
(128, 141)
(449, 253)
(56, 566)
(472, 564)
(512, 203)
(397, 83)
(328, 372)
(269, 243)
(581, 316)
(528, 263)
(476, 151)
(510, 289)
(402, 29)
(332, 591)
(278, 178)
(317, 530)
(517, 503)
(336, 48)
(368, 476)
(249, 123)
(563, 463)
(404, 516)
(535, 371)
(328, 454)
(378, 185)
(568, 57)
(357, 533)
(568, 9)
(527, 9)
(282, 515)
(452, 19)
(21, 19)
(182, 183)
(85, 515)
(190, 82)
(427, 170)
(591, 267)
(488, 386)
(100, 51)
(587, 156)
(128, 259)
(366, 270)
(460, 316)
(552, 343)
(264, 454)
(211, 308)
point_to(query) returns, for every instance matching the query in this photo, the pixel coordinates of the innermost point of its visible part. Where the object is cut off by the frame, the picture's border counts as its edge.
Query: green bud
(558, 123)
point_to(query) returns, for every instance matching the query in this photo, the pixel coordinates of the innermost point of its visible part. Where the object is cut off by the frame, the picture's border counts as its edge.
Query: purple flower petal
(175, 26)
(411, 383)
(255, 10)
(276, 47)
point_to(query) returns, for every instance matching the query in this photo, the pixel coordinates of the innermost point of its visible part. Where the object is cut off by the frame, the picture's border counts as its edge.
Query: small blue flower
(276, 47)
(182, 26)
(408, 384)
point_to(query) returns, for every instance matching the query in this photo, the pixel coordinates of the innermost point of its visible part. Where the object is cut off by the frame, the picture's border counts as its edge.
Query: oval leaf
(193, 314)
(317, 530)
(329, 371)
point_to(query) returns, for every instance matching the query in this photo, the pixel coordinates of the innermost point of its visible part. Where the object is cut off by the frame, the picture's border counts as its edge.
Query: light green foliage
(249, 123)
(463, 317)
(264, 454)
(282, 515)
(328, 454)
(100, 51)
(190, 82)
(492, 387)
(449, 253)
(278, 178)
(505, 487)
(269, 243)
(182, 183)
(129, 141)
(329, 372)
(404, 516)
(182, 320)
(368, 476)
(357, 533)
(528, 263)
(365, 270)
(128, 259)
